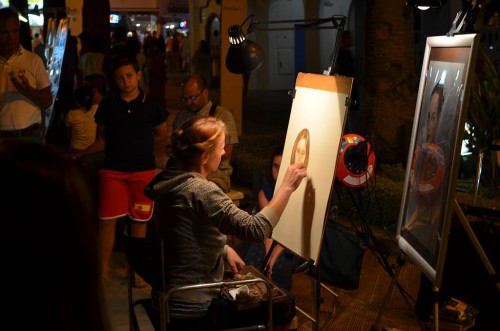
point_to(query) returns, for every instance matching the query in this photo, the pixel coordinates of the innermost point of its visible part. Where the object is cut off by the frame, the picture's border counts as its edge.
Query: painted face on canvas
(301, 151)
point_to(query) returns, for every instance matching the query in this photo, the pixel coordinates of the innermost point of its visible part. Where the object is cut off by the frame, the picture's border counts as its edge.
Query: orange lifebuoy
(356, 164)
(427, 168)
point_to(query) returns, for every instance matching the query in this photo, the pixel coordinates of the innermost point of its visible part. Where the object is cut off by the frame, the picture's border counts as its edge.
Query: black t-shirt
(129, 131)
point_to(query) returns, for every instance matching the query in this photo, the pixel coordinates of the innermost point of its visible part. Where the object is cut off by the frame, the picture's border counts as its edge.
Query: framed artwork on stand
(434, 154)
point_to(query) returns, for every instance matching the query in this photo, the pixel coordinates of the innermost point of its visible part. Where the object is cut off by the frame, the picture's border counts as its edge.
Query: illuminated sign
(183, 24)
(114, 18)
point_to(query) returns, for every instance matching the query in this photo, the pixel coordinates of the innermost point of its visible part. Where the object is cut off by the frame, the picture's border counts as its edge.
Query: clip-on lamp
(245, 56)
(465, 18)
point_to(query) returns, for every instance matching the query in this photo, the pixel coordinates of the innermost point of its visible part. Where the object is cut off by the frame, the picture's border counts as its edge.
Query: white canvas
(319, 106)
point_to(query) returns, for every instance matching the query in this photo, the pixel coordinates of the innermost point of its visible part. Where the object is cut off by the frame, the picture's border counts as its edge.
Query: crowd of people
(114, 118)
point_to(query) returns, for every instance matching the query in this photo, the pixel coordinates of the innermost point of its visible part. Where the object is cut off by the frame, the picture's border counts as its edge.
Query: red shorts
(122, 193)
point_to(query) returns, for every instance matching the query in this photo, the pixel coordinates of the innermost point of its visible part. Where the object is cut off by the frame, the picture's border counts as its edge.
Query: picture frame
(435, 149)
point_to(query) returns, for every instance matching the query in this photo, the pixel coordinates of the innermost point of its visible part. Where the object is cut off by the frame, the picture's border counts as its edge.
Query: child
(80, 126)
(129, 124)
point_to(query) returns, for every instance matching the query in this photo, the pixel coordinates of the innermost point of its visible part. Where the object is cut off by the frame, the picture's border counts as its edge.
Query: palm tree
(391, 81)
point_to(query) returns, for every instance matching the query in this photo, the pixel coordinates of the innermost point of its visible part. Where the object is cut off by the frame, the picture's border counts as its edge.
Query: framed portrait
(434, 153)
(313, 137)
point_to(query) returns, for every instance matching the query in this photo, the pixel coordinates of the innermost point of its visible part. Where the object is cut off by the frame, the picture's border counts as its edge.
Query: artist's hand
(294, 175)
(234, 260)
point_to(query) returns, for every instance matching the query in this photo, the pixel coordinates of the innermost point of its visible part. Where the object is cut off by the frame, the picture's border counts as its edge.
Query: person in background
(80, 124)
(200, 63)
(38, 178)
(91, 61)
(36, 40)
(155, 64)
(278, 267)
(186, 54)
(194, 218)
(85, 38)
(24, 84)
(129, 124)
(91, 163)
(39, 49)
(196, 97)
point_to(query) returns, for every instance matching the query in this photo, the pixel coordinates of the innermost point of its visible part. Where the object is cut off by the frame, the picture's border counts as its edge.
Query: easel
(312, 271)
(394, 273)
(479, 249)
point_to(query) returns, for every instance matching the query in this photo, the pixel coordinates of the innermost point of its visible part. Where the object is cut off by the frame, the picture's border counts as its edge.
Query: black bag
(341, 256)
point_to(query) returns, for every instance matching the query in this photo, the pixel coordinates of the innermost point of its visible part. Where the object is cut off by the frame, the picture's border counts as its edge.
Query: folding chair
(145, 256)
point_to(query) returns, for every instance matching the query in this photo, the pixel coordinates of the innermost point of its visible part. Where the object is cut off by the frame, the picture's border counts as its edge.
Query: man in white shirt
(24, 84)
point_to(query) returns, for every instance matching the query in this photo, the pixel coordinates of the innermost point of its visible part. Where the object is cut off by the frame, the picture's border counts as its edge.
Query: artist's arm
(42, 98)
(293, 177)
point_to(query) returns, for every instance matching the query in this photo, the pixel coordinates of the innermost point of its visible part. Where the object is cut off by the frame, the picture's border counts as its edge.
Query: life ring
(356, 164)
(427, 168)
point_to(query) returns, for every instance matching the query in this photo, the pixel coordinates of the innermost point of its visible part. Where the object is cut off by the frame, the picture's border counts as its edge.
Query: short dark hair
(439, 91)
(124, 60)
(9, 12)
(83, 96)
(98, 82)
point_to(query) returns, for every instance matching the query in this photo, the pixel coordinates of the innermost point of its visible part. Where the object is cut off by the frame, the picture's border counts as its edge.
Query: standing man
(24, 84)
(196, 97)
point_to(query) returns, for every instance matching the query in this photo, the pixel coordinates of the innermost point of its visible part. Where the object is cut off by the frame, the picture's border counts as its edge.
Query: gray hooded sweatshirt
(194, 216)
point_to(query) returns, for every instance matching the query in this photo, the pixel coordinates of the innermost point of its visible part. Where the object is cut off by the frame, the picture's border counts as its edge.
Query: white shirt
(83, 127)
(16, 110)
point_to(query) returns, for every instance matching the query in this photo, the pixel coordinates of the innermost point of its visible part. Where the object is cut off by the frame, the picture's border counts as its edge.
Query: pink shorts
(122, 193)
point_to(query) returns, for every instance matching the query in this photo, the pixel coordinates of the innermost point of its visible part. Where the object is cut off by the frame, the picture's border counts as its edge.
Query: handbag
(341, 256)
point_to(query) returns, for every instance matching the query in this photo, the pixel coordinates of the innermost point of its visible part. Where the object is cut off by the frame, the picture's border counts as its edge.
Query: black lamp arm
(338, 22)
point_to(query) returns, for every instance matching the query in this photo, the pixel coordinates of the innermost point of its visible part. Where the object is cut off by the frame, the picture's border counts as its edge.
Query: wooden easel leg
(475, 241)
(394, 279)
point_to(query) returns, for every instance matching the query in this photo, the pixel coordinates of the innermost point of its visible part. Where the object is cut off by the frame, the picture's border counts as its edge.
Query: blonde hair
(195, 136)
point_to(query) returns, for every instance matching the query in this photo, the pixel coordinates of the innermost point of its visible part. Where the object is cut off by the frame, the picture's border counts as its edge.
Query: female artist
(194, 216)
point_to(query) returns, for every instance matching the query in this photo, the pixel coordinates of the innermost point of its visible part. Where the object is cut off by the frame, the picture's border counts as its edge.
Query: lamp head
(243, 56)
(425, 4)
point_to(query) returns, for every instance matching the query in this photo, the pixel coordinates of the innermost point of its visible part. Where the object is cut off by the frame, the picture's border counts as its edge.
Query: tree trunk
(391, 80)
(95, 18)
